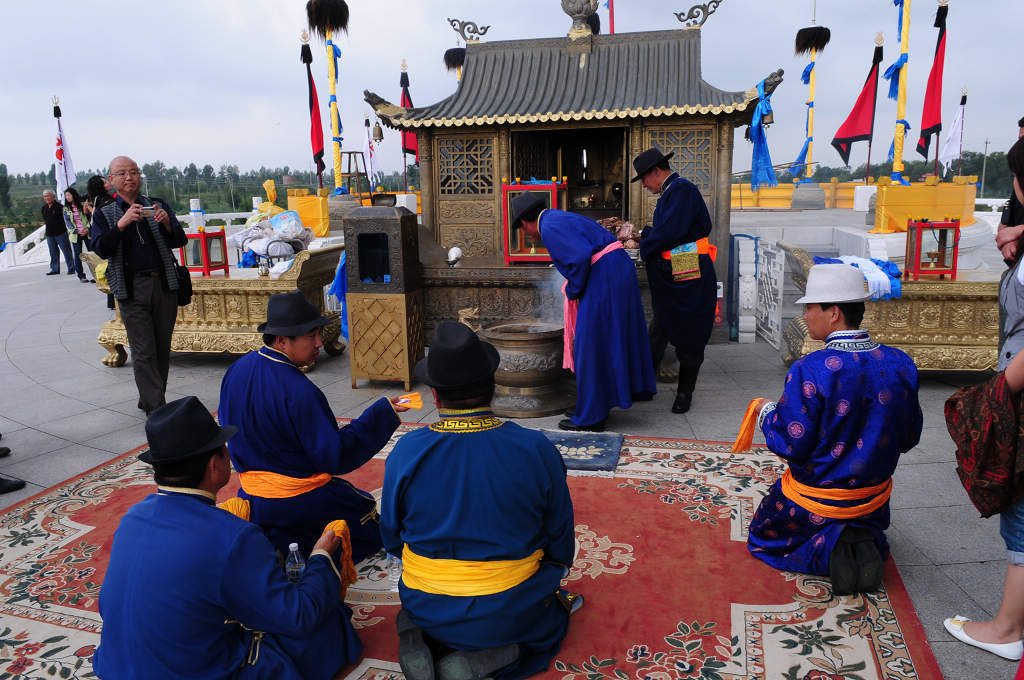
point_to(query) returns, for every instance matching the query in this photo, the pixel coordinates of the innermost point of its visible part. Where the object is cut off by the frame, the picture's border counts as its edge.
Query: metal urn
(580, 11)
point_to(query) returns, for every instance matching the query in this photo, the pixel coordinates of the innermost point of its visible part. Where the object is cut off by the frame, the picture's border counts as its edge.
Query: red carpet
(671, 592)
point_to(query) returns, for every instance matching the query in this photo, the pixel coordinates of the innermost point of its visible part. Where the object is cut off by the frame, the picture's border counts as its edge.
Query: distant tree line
(226, 189)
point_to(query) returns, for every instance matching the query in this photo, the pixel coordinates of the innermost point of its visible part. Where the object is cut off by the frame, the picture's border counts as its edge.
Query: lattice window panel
(694, 159)
(465, 166)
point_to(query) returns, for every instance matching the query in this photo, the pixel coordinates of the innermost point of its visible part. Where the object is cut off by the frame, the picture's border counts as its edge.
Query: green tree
(5, 188)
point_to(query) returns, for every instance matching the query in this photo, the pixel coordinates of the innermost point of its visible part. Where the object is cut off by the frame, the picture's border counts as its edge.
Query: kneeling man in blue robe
(192, 591)
(480, 512)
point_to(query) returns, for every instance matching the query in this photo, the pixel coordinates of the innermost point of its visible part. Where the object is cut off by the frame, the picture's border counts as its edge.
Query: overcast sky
(221, 82)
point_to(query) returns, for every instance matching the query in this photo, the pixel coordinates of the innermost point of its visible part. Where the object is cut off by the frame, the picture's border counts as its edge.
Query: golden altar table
(225, 311)
(942, 325)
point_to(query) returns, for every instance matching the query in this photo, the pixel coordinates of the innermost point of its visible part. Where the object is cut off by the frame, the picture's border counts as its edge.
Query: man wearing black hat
(606, 337)
(193, 591)
(289, 446)
(480, 512)
(680, 273)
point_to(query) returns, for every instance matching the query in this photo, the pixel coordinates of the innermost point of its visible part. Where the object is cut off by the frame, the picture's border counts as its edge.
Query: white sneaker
(1012, 651)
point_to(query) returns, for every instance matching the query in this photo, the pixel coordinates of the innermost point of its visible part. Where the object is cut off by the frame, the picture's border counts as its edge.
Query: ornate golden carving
(467, 212)
(474, 241)
(386, 331)
(465, 166)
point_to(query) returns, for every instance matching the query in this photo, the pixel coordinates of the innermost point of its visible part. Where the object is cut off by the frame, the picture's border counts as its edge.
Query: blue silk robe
(285, 425)
(686, 309)
(181, 567)
(490, 491)
(611, 351)
(846, 414)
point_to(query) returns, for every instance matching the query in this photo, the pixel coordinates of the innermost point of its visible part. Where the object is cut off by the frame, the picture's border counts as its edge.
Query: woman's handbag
(984, 422)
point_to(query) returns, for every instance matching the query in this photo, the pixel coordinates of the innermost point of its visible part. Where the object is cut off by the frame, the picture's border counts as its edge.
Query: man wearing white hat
(846, 414)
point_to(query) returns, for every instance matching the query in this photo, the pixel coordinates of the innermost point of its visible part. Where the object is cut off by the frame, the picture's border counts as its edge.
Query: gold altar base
(897, 203)
(942, 325)
(386, 333)
(225, 312)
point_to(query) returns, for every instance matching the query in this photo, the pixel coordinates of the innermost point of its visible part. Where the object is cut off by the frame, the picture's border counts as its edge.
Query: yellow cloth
(799, 494)
(414, 400)
(348, 569)
(466, 578)
(101, 273)
(239, 507)
(272, 485)
(271, 188)
(745, 439)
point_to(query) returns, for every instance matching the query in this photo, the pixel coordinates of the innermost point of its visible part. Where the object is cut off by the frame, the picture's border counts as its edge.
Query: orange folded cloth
(745, 439)
(412, 400)
(348, 569)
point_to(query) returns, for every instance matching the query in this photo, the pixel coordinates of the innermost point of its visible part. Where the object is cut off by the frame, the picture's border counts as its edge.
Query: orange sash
(272, 485)
(704, 247)
(801, 493)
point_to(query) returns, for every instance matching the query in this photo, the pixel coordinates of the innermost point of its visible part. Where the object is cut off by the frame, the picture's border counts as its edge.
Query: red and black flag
(860, 124)
(410, 143)
(316, 131)
(931, 118)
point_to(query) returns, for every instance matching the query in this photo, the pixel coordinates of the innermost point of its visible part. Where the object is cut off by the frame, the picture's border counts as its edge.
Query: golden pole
(810, 118)
(901, 101)
(332, 78)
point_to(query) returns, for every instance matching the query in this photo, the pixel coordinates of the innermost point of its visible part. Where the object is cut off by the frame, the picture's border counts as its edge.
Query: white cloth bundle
(878, 281)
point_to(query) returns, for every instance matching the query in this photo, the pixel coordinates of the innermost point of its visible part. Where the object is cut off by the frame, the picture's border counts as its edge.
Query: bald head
(125, 176)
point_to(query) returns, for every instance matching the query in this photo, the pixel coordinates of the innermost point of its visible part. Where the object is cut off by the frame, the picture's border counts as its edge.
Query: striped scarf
(115, 269)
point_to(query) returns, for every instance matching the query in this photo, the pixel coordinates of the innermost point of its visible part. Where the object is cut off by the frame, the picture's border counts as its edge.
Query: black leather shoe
(842, 568)
(52, 273)
(682, 402)
(868, 561)
(569, 412)
(414, 655)
(573, 427)
(8, 485)
(4, 452)
(476, 665)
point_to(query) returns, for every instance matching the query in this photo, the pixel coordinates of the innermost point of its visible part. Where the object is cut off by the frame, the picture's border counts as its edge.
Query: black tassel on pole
(404, 80)
(56, 111)
(455, 58)
(812, 38)
(327, 16)
(306, 55)
(594, 22)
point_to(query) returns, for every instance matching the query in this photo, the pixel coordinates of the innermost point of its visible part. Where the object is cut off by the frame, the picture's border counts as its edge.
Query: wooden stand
(204, 264)
(386, 331)
(922, 236)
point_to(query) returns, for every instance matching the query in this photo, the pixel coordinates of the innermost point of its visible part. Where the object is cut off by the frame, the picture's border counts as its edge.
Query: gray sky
(221, 82)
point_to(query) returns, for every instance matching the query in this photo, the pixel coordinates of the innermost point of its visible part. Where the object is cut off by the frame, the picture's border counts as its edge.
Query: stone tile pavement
(63, 412)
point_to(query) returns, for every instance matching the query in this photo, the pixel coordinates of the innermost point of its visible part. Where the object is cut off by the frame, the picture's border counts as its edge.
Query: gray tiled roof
(627, 75)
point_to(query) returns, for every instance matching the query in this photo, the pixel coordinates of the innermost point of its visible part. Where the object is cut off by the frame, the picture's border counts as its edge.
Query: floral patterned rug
(671, 592)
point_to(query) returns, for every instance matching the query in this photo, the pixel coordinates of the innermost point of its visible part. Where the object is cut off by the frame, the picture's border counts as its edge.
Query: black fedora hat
(291, 314)
(181, 429)
(524, 203)
(646, 161)
(457, 358)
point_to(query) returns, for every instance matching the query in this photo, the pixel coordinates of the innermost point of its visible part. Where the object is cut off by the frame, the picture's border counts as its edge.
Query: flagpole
(901, 100)
(960, 161)
(611, 16)
(879, 41)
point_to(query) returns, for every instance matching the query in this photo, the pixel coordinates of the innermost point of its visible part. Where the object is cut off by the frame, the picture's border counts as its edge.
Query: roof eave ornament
(698, 14)
(580, 11)
(470, 31)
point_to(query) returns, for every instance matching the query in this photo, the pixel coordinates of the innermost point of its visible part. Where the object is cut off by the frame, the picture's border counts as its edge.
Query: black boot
(868, 561)
(567, 424)
(842, 567)
(682, 402)
(476, 665)
(689, 369)
(8, 485)
(414, 655)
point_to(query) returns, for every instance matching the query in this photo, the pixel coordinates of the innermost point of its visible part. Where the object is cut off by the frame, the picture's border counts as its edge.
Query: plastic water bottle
(295, 563)
(394, 567)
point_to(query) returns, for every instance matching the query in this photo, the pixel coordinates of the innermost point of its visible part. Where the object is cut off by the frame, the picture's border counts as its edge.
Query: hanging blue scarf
(805, 77)
(761, 170)
(797, 168)
(892, 145)
(892, 74)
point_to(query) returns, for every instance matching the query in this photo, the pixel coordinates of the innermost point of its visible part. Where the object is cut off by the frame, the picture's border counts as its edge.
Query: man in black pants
(56, 234)
(135, 234)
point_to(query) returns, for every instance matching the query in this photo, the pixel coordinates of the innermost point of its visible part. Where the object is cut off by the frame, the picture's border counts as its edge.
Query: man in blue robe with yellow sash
(480, 512)
(677, 255)
(289, 447)
(846, 414)
(192, 591)
(605, 331)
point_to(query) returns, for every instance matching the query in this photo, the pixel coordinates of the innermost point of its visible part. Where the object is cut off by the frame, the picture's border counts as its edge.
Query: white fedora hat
(834, 283)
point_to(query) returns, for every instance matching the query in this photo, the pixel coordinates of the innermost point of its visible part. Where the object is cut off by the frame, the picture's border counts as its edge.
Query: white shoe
(1012, 651)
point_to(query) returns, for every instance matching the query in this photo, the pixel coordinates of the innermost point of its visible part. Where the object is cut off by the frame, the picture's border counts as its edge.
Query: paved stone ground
(63, 412)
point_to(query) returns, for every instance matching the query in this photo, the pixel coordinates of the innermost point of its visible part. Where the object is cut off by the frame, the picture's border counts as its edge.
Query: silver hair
(51, 192)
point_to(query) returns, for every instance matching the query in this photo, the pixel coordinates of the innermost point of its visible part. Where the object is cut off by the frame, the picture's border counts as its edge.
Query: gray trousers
(149, 317)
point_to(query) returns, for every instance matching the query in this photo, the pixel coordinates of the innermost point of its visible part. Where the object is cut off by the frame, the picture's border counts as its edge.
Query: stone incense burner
(530, 381)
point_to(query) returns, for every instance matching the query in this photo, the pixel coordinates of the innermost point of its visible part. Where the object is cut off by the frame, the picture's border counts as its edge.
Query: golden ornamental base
(386, 335)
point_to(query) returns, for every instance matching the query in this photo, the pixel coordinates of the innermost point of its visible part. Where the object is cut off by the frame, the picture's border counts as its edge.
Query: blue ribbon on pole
(761, 170)
(336, 54)
(899, 27)
(797, 167)
(892, 147)
(805, 77)
(892, 74)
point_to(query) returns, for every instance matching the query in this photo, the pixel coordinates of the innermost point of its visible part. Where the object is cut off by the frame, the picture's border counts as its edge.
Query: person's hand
(398, 407)
(160, 215)
(1009, 251)
(328, 542)
(132, 214)
(1008, 235)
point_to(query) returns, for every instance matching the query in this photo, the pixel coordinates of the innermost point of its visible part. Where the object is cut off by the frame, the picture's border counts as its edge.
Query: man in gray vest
(136, 234)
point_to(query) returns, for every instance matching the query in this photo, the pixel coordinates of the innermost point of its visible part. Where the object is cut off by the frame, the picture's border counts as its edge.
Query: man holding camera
(135, 234)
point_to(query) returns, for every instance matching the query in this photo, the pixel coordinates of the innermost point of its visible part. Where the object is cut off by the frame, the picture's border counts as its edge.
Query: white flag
(64, 169)
(951, 149)
(370, 158)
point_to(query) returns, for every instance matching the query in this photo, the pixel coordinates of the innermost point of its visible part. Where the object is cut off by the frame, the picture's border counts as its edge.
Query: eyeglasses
(127, 173)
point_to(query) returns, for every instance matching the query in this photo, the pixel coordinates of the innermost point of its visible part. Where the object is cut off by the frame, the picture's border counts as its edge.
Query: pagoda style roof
(603, 77)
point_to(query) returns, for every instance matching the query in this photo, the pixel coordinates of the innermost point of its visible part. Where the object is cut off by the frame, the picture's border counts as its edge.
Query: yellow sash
(272, 485)
(466, 578)
(799, 494)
